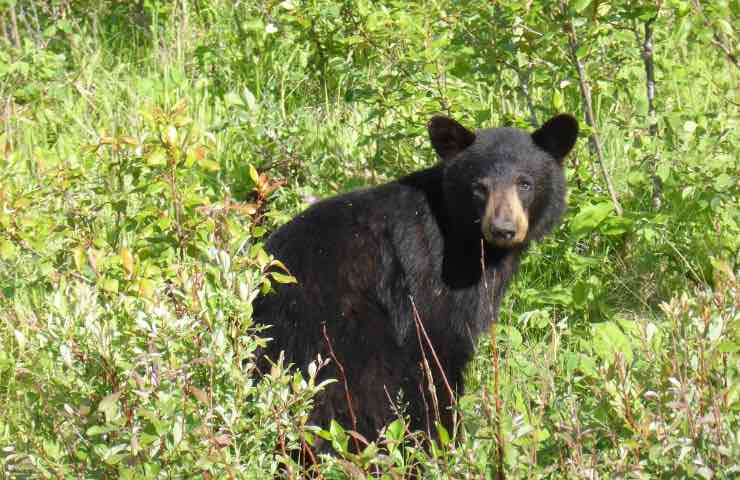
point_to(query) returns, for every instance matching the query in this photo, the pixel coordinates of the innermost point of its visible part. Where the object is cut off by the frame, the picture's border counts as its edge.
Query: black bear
(410, 273)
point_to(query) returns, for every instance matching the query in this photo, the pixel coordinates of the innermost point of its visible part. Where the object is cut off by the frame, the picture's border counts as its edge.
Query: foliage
(148, 148)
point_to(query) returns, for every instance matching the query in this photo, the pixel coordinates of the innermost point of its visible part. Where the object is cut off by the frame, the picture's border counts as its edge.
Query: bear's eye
(524, 185)
(480, 190)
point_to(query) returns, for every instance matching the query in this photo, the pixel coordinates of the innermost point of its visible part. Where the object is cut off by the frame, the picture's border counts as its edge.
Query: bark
(646, 49)
(647, 57)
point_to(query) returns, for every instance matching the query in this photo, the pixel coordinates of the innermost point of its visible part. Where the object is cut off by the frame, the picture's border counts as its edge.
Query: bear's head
(504, 184)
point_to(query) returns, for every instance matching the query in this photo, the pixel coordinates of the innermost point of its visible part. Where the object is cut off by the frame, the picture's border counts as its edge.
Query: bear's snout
(505, 221)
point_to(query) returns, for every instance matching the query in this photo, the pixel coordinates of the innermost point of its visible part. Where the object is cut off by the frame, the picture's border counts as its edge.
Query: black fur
(360, 258)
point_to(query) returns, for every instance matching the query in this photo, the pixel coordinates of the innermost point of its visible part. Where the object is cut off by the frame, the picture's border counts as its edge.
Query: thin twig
(307, 448)
(426, 369)
(594, 140)
(646, 47)
(426, 406)
(494, 352)
(420, 325)
(647, 55)
(346, 386)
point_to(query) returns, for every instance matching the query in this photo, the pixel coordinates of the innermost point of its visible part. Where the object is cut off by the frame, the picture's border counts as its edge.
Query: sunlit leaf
(608, 339)
(109, 401)
(283, 278)
(127, 260)
(589, 217)
(109, 285)
(579, 5)
(146, 288)
(254, 175)
(7, 249)
(170, 137)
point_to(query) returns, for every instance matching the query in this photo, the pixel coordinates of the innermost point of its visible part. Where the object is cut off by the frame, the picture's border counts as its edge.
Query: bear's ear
(557, 136)
(448, 137)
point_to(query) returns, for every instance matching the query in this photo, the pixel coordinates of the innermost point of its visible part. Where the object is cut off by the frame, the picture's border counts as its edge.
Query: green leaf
(251, 101)
(725, 26)
(258, 232)
(52, 449)
(444, 436)
(339, 438)
(663, 172)
(728, 346)
(210, 165)
(689, 126)
(233, 98)
(280, 265)
(146, 288)
(156, 158)
(127, 260)
(557, 100)
(608, 339)
(254, 175)
(580, 5)
(616, 226)
(510, 334)
(636, 178)
(283, 278)
(589, 217)
(259, 254)
(396, 430)
(109, 285)
(579, 362)
(109, 402)
(723, 182)
(7, 249)
(99, 430)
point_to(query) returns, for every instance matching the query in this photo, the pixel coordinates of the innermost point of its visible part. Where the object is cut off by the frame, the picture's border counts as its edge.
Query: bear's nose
(503, 230)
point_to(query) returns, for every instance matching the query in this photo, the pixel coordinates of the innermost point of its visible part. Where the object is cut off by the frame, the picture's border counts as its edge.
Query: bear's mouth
(502, 237)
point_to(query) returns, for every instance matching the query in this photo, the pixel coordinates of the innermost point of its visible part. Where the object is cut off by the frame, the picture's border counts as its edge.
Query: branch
(495, 354)
(718, 38)
(420, 325)
(647, 57)
(594, 140)
(346, 387)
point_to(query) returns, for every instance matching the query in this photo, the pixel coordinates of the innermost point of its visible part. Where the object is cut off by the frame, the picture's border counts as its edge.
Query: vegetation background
(149, 146)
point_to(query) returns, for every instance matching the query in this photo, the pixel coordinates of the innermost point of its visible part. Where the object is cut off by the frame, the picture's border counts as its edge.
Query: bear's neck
(468, 261)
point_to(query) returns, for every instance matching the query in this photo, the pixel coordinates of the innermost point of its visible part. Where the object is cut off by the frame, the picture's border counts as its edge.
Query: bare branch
(346, 387)
(594, 139)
